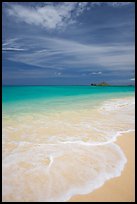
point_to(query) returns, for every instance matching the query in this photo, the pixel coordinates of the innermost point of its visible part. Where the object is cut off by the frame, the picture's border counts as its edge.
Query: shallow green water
(49, 98)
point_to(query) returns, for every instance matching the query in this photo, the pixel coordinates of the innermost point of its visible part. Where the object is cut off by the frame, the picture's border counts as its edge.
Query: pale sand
(120, 189)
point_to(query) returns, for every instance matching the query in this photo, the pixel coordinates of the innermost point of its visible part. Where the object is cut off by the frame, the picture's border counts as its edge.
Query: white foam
(117, 104)
(112, 138)
(74, 169)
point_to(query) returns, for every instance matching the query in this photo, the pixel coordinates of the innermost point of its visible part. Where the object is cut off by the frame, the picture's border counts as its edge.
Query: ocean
(59, 141)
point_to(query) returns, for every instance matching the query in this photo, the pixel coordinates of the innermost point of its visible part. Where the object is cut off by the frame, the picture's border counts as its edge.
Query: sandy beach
(57, 141)
(120, 189)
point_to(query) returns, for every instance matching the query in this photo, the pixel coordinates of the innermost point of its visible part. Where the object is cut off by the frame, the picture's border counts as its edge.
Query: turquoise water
(50, 98)
(17, 93)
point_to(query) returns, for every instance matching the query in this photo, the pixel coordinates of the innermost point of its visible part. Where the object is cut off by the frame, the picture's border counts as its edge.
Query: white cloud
(96, 73)
(133, 79)
(12, 45)
(63, 54)
(48, 16)
(12, 49)
(54, 16)
(113, 4)
(119, 4)
(57, 74)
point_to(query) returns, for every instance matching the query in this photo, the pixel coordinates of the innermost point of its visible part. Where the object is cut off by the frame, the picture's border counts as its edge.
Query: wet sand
(28, 135)
(120, 189)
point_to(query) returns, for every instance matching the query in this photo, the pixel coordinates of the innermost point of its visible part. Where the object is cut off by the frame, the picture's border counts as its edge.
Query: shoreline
(118, 189)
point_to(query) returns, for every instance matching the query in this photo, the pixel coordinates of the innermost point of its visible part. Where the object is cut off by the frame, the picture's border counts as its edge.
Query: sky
(68, 43)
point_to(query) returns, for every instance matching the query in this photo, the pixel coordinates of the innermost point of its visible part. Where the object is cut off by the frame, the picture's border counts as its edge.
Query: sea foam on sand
(51, 158)
(56, 172)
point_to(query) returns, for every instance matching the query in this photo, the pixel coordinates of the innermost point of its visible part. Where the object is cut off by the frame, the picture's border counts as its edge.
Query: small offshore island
(106, 84)
(100, 84)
